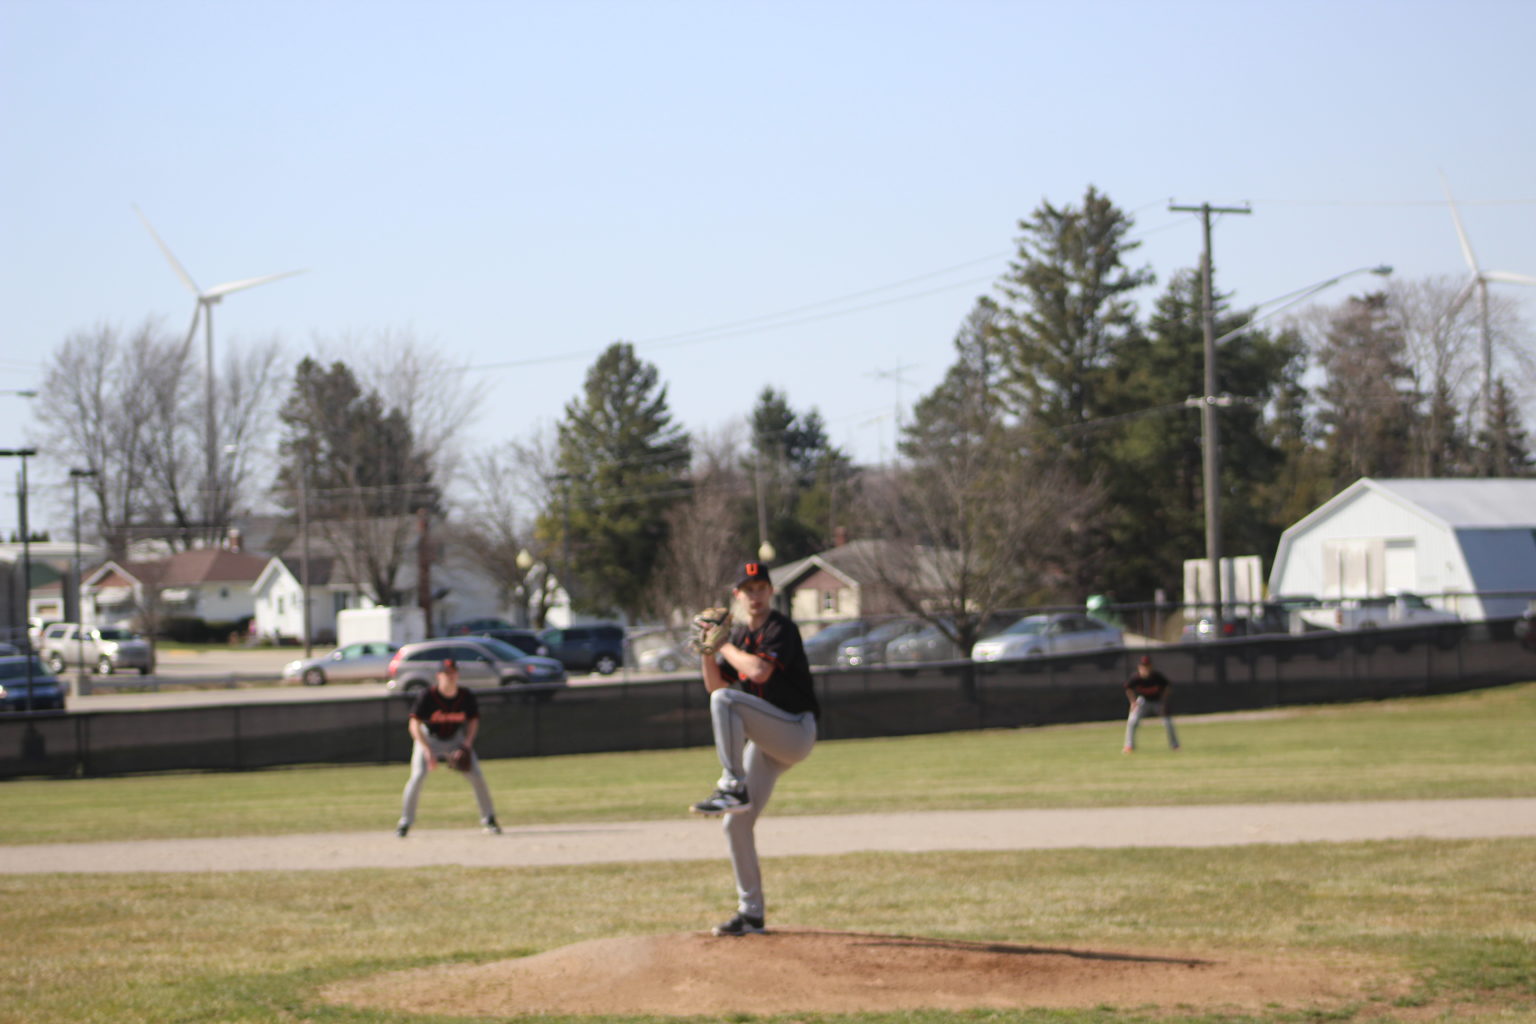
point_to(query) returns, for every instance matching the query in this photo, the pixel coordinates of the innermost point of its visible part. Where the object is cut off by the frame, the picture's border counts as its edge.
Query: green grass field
(254, 947)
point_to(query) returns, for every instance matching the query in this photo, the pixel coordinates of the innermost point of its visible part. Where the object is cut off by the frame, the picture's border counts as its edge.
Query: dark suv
(593, 648)
(525, 640)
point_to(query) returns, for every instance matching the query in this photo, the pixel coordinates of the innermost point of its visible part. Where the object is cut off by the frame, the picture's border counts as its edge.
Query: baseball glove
(461, 760)
(711, 628)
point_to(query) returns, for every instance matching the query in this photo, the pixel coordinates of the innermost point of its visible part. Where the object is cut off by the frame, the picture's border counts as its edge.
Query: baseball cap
(448, 665)
(752, 572)
(1146, 659)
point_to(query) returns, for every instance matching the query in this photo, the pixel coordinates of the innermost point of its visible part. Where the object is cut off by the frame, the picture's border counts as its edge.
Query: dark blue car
(46, 694)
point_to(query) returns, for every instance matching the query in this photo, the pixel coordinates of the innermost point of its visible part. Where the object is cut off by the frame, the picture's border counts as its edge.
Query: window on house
(279, 605)
(223, 593)
(829, 600)
(341, 602)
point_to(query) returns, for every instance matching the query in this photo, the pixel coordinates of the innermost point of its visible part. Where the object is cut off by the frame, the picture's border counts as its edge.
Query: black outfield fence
(1263, 672)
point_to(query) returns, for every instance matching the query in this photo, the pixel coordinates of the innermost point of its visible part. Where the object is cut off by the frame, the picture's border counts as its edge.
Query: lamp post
(75, 476)
(26, 553)
(1208, 404)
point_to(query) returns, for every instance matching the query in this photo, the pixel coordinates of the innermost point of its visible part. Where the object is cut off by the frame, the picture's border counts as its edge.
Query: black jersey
(1151, 686)
(444, 716)
(778, 642)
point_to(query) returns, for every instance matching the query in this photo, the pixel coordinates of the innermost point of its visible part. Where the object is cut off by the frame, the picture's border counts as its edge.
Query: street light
(26, 553)
(75, 476)
(1209, 442)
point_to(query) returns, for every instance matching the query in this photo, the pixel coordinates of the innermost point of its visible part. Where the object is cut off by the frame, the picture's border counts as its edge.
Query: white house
(279, 598)
(459, 590)
(213, 584)
(1459, 543)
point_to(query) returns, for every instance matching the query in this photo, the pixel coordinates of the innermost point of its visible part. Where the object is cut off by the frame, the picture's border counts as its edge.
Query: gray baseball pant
(756, 742)
(1140, 707)
(440, 749)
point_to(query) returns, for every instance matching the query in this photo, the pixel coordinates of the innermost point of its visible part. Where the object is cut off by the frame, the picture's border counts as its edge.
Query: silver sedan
(353, 663)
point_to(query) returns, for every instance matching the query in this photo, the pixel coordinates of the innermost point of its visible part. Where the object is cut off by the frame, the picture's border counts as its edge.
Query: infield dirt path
(686, 838)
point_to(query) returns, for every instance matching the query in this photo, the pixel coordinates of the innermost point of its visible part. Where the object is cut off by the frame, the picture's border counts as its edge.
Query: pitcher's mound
(790, 971)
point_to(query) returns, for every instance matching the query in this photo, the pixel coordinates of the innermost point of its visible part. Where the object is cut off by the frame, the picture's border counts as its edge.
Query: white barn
(1458, 543)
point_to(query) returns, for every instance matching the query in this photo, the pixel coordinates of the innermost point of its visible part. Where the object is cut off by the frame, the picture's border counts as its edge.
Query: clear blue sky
(521, 184)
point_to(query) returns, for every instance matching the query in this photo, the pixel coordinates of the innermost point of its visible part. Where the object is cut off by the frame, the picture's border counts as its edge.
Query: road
(242, 676)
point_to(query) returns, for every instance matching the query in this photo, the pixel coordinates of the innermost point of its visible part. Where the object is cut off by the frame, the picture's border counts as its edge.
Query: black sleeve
(420, 709)
(471, 705)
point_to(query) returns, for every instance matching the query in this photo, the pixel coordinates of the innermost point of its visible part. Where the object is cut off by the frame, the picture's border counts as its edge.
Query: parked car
(667, 657)
(869, 649)
(1271, 618)
(525, 640)
(591, 648)
(354, 663)
(932, 644)
(45, 694)
(483, 662)
(1401, 609)
(821, 648)
(1058, 633)
(104, 649)
(468, 626)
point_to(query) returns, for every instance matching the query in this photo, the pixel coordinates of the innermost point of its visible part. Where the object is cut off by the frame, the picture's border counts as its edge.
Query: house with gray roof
(1468, 546)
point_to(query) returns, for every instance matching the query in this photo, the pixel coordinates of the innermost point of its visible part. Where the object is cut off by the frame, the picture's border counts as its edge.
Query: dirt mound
(789, 971)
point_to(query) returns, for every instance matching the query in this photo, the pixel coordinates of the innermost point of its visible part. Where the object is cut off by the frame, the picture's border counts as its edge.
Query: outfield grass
(253, 948)
(1467, 745)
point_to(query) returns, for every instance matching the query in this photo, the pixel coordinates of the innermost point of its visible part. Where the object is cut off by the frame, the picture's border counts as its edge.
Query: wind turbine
(206, 300)
(1478, 284)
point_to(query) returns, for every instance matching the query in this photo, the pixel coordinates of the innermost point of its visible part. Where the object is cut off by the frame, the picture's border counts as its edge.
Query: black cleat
(401, 829)
(491, 827)
(741, 924)
(724, 801)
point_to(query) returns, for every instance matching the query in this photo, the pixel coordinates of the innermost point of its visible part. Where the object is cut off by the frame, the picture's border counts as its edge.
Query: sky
(807, 196)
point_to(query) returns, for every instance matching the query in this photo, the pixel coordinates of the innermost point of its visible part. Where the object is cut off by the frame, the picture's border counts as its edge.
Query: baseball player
(762, 705)
(444, 720)
(1147, 690)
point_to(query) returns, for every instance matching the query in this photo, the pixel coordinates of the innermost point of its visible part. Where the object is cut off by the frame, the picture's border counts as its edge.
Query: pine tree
(623, 463)
(1503, 446)
(1068, 314)
(1367, 402)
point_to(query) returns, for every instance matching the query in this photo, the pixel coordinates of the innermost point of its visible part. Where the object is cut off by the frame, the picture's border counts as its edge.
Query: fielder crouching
(444, 723)
(762, 706)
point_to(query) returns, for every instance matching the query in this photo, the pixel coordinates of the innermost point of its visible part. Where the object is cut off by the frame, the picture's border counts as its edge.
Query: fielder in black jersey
(445, 718)
(762, 705)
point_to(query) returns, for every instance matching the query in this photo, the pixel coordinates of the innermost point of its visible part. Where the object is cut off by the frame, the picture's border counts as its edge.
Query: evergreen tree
(1503, 447)
(1153, 463)
(801, 479)
(1367, 404)
(1068, 314)
(357, 468)
(623, 464)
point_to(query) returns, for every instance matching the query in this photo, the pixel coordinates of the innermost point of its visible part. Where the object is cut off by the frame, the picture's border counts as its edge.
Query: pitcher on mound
(762, 706)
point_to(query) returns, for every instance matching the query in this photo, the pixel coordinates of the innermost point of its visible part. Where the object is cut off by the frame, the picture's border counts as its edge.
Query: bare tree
(975, 531)
(130, 408)
(508, 486)
(436, 396)
(705, 540)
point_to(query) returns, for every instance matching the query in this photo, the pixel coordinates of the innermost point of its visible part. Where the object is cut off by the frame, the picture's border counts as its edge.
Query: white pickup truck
(1402, 609)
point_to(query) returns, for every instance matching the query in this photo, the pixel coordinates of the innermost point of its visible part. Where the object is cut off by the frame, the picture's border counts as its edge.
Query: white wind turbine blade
(1461, 233)
(170, 257)
(1461, 298)
(1508, 278)
(220, 290)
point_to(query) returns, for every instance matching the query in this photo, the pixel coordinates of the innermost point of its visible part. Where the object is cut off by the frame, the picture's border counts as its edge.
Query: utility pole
(1209, 436)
